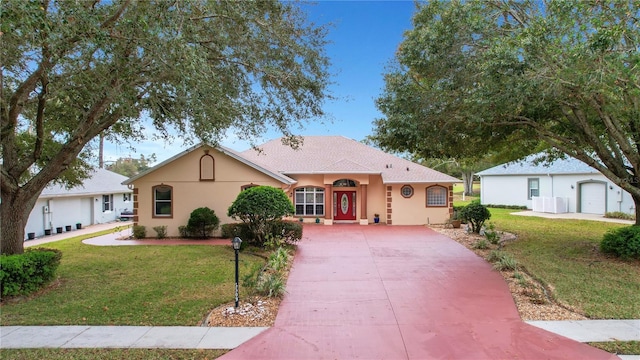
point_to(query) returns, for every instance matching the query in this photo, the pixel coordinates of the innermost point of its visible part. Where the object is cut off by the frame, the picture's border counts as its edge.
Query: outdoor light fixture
(236, 242)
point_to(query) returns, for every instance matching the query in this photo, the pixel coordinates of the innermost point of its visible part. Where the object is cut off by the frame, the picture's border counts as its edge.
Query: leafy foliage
(73, 70)
(130, 167)
(259, 207)
(268, 280)
(22, 274)
(476, 214)
(202, 222)
(161, 231)
(623, 242)
(139, 231)
(513, 78)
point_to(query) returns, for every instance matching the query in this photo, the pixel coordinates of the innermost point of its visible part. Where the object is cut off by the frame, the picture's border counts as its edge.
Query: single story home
(566, 185)
(100, 199)
(329, 179)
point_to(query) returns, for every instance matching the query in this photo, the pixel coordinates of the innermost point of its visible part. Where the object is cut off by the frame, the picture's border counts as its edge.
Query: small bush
(476, 214)
(502, 261)
(619, 215)
(278, 259)
(139, 232)
(491, 234)
(183, 231)
(514, 207)
(291, 231)
(268, 280)
(231, 230)
(202, 222)
(622, 242)
(271, 285)
(481, 244)
(161, 231)
(22, 274)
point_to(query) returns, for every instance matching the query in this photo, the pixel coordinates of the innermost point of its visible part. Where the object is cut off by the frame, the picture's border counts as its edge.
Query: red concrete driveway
(383, 292)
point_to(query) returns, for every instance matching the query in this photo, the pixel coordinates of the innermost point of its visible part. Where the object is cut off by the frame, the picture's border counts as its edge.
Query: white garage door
(592, 198)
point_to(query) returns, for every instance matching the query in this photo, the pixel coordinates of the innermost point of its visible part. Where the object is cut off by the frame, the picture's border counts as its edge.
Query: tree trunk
(636, 201)
(467, 180)
(14, 213)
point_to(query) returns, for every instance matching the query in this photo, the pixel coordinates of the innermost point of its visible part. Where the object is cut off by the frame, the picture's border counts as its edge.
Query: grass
(564, 255)
(131, 285)
(107, 354)
(619, 347)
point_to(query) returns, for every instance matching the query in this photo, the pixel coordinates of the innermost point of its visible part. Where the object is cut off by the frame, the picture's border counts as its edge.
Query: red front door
(344, 205)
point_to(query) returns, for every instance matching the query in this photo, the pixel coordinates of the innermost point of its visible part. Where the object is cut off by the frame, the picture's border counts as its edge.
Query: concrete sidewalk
(124, 225)
(146, 337)
(198, 337)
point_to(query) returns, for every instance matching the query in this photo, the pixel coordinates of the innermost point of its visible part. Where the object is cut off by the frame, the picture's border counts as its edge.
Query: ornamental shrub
(139, 232)
(622, 242)
(476, 214)
(202, 222)
(291, 231)
(22, 274)
(259, 208)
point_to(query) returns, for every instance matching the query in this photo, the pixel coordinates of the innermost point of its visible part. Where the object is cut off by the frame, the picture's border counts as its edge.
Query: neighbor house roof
(341, 155)
(100, 182)
(527, 166)
(260, 167)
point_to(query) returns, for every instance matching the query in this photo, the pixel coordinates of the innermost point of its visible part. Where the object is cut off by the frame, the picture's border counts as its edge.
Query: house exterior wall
(69, 210)
(189, 193)
(414, 210)
(512, 190)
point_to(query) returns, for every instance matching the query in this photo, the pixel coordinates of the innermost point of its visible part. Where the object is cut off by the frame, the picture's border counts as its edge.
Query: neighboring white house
(566, 185)
(100, 199)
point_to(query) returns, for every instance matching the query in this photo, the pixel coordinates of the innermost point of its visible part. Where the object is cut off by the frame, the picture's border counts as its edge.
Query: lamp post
(236, 246)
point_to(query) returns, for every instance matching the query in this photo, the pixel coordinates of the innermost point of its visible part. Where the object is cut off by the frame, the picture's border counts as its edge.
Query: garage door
(592, 198)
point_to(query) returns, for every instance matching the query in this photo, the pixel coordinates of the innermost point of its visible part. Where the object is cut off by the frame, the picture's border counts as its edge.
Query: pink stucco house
(330, 178)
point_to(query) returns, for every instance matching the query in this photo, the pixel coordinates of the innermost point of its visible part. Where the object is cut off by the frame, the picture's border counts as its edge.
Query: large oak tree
(72, 70)
(488, 76)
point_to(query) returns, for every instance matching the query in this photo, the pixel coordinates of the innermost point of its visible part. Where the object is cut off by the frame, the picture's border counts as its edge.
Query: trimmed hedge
(290, 231)
(22, 274)
(476, 214)
(622, 242)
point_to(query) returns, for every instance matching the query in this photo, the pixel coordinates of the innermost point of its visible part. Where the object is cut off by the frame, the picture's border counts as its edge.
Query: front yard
(131, 285)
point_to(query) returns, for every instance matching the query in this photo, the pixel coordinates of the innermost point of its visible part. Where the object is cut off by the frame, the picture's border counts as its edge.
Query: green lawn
(109, 354)
(564, 254)
(131, 285)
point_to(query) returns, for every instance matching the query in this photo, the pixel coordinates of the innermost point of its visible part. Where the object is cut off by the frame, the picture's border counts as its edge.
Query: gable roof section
(100, 182)
(341, 155)
(226, 151)
(526, 166)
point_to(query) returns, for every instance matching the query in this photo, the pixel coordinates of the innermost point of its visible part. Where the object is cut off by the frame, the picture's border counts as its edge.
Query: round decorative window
(406, 191)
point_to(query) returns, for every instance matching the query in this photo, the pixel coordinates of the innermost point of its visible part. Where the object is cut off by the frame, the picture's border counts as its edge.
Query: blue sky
(363, 40)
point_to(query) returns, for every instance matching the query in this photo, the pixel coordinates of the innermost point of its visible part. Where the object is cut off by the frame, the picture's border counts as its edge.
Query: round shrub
(202, 222)
(476, 214)
(622, 242)
(259, 207)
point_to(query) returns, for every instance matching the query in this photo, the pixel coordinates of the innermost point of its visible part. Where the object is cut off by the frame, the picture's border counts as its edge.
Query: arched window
(207, 168)
(344, 183)
(437, 196)
(162, 201)
(309, 201)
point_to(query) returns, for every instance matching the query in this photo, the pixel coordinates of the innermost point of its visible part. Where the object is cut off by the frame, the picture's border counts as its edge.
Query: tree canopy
(516, 77)
(74, 69)
(131, 166)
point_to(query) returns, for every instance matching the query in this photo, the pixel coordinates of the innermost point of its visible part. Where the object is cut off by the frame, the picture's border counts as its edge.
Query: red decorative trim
(212, 176)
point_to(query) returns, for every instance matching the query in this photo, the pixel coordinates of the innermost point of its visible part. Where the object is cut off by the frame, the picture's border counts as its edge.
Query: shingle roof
(338, 154)
(526, 166)
(260, 167)
(101, 181)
